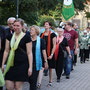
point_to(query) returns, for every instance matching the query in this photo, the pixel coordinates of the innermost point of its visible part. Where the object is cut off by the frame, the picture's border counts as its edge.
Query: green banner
(68, 9)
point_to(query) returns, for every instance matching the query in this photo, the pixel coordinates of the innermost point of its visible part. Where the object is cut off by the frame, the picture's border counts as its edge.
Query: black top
(19, 72)
(62, 46)
(9, 32)
(2, 37)
(46, 40)
(43, 47)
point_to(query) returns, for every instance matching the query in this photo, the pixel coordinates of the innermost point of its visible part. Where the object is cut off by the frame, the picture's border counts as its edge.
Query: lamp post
(17, 9)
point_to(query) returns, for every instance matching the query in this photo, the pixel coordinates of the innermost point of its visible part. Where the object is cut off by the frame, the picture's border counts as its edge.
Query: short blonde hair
(36, 28)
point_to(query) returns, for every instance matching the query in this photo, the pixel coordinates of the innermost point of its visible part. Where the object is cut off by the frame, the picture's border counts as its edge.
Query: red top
(70, 36)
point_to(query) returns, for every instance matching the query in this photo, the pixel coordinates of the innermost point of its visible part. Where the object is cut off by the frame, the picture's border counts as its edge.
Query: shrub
(44, 18)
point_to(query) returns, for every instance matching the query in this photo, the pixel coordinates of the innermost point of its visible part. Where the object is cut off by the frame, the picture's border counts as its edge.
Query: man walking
(72, 38)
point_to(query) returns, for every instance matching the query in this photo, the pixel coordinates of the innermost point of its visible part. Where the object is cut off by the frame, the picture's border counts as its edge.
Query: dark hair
(48, 22)
(20, 20)
(88, 27)
(69, 23)
(73, 25)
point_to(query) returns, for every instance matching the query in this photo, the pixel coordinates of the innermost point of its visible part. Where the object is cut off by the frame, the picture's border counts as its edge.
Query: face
(10, 24)
(17, 27)
(60, 32)
(88, 29)
(85, 33)
(67, 26)
(46, 25)
(33, 31)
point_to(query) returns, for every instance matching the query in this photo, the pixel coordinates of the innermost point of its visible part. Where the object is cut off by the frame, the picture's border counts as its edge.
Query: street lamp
(17, 9)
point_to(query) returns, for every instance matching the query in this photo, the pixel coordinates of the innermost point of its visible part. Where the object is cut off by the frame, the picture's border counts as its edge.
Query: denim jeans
(69, 63)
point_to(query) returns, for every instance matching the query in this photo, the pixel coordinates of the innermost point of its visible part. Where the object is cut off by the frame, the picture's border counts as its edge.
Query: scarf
(49, 43)
(14, 45)
(2, 81)
(38, 54)
(59, 40)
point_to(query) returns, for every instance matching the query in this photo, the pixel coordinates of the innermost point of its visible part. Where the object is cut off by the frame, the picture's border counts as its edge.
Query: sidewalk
(79, 79)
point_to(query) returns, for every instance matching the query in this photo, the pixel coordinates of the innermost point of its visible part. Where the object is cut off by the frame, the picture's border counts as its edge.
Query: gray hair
(25, 25)
(11, 18)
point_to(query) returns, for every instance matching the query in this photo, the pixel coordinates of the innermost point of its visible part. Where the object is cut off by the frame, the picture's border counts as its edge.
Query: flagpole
(17, 15)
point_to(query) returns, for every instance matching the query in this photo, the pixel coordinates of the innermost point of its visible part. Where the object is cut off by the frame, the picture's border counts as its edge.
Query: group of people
(29, 53)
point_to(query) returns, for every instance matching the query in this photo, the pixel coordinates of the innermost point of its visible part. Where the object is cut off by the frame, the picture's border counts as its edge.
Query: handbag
(2, 81)
(64, 52)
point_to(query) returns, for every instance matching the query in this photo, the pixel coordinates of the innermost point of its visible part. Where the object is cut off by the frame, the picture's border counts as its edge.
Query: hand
(29, 72)
(46, 65)
(50, 57)
(75, 52)
(70, 56)
(2, 68)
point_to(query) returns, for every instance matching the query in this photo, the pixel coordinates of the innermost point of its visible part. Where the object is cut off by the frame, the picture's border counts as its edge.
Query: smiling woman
(19, 64)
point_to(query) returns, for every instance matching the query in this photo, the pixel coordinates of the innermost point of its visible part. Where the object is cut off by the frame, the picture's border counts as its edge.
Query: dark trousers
(75, 59)
(59, 67)
(1, 88)
(33, 79)
(84, 53)
(87, 55)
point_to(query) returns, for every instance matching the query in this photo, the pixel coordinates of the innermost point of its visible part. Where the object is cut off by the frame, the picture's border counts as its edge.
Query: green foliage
(79, 4)
(45, 5)
(44, 18)
(88, 14)
(31, 10)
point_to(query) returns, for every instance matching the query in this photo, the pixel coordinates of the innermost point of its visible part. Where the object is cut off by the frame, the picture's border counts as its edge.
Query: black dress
(60, 58)
(19, 72)
(51, 63)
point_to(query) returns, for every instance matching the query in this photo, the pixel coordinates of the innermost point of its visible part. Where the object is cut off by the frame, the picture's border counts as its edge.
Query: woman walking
(50, 39)
(39, 53)
(2, 47)
(61, 47)
(19, 64)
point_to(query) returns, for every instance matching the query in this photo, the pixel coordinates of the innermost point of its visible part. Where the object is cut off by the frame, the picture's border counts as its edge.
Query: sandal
(49, 84)
(39, 85)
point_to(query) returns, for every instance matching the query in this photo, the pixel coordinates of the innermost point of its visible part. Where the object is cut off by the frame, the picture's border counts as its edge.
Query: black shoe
(67, 77)
(72, 69)
(74, 64)
(45, 74)
(81, 62)
(58, 80)
(64, 74)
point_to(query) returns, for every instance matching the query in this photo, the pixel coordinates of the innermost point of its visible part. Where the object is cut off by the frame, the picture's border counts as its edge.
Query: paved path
(79, 79)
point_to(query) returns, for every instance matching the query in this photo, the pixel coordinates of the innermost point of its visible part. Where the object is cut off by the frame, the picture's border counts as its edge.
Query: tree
(30, 10)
